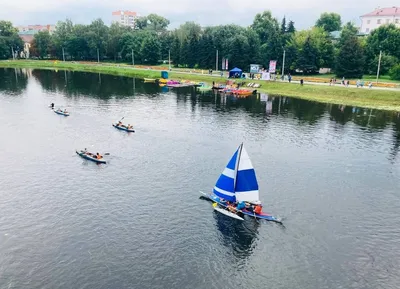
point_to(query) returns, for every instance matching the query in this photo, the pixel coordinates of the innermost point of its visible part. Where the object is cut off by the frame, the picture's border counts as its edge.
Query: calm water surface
(331, 172)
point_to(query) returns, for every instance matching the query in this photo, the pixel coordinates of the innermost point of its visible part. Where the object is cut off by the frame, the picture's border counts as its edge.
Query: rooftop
(126, 12)
(28, 32)
(391, 11)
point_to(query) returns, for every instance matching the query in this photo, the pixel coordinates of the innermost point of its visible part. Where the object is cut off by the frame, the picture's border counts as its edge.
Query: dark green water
(331, 172)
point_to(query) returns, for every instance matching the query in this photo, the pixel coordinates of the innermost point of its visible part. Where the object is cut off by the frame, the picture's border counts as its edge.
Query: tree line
(190, 45)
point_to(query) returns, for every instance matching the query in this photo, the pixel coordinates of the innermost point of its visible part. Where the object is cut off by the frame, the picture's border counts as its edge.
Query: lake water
(331, 172)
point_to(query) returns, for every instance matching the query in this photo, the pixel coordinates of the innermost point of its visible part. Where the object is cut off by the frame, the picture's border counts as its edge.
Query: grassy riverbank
(362, 97)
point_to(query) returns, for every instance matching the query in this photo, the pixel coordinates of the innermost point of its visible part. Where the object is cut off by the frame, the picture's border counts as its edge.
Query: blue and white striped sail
(225, 186)
(238, 181)
(246, 187)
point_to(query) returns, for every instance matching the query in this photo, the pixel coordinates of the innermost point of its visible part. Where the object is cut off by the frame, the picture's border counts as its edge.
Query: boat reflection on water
(240, 236)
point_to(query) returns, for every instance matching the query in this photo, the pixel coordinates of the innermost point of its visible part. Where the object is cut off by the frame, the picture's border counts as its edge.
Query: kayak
(61, 113)
(149, 80)
(90, 158)
(123, 128)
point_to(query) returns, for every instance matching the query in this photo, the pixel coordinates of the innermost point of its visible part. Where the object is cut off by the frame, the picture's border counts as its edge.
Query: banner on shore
(272, 66)
(266, 76)
(223, 64)
(226, 64)
(255, 68)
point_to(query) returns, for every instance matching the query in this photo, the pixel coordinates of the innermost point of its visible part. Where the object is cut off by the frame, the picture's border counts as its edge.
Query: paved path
(217, 75)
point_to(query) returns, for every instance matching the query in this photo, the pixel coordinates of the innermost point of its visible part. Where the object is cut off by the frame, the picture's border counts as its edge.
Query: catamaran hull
(267, 217)
(229, 214)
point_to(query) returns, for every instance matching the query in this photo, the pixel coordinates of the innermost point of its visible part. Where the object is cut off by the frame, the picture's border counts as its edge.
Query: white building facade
(379, 17)
(125, 18)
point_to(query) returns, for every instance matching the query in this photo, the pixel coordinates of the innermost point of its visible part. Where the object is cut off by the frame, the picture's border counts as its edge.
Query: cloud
(204, 12)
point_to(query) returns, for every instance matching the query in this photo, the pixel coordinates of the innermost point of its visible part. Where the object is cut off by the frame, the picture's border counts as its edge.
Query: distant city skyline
(206, 12)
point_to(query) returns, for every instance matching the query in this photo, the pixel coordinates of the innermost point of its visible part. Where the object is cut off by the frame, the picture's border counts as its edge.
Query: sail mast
(237, 165)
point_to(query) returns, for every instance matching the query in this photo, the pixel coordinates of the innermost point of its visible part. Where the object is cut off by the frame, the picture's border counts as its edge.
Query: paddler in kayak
(52, 105)
(129, 126)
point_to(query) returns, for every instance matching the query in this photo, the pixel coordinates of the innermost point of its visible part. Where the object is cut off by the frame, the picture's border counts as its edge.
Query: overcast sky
(204, 12)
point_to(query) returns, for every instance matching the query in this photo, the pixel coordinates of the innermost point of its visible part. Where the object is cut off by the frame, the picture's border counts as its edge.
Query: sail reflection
(238, 236)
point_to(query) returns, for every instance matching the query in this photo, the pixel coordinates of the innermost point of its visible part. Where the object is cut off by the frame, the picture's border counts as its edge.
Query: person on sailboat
(231, 208)
(241, 206)
(258, 209)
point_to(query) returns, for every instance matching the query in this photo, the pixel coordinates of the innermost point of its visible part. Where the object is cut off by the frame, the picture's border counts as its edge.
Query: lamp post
(169, 59)
(283, 64)
(379, 66)
(216, 62)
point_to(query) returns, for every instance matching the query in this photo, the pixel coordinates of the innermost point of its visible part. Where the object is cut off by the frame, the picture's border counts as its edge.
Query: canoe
(87, 157)
(123, 128)
(149, 80)
(61, 113)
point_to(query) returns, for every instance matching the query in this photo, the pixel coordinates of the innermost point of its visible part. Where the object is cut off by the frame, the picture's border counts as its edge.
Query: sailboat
(238, 183)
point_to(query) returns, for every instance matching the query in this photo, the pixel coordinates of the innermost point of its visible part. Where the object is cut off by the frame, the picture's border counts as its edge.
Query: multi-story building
(125, 18)
(379, 17)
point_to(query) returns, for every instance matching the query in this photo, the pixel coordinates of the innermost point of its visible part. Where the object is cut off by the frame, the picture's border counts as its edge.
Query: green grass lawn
(362, 97)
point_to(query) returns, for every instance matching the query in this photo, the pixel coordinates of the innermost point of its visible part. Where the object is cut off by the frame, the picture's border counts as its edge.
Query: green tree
(157, 22)
(283, 25)
(7, 29)
(77, 45)
(239, 49)
(310, 50)
(97, 38)
(150, 49)
(329, 22)
(152, 22)
(113, 41)
(265, 26)
(395, 72)
(62, 35)
(42, 44)
(387, 62)
(9, 40)
(269, 33)
(385, 38)
(350, 59)
(290, 27)
(206, 51)
(307, 60)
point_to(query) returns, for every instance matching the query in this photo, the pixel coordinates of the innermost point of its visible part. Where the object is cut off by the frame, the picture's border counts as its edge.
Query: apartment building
(125, 18)
(379, 17)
